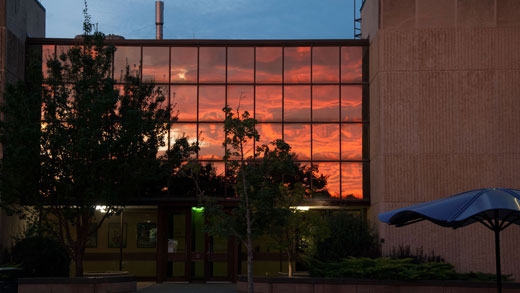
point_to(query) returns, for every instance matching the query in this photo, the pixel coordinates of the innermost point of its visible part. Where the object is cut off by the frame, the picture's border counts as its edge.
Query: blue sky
(207, 19)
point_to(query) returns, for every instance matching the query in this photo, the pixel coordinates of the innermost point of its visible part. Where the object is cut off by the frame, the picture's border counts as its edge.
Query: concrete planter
(323, 285)
(119, 284)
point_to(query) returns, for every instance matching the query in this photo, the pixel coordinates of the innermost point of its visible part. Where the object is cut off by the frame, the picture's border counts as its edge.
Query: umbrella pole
(497, 252)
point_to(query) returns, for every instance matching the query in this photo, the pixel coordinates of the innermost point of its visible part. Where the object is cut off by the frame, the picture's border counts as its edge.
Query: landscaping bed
(347, 285)
(120, 284)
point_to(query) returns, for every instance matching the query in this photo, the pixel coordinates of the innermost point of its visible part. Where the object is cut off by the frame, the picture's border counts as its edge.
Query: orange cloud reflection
(241, 95)
(331, 171)
(298, 136)
(211, 137)
(351, 64)
(351, 141)
(184, 64)
(268, 64)
(351, 99)
(352, 180)
(297, 65)
(212, 64)
(211, 101)
(240, 64)
(325, 103)
(268, 132)
(325, 64)
(184, 98)
(297, 103)
(268, 103)
(325, 141)
(155, 64)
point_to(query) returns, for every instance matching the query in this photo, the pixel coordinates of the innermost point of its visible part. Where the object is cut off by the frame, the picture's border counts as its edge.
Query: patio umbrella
(495, 208)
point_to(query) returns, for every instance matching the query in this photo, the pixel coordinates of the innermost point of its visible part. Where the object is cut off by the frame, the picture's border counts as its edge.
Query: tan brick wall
(444, 104)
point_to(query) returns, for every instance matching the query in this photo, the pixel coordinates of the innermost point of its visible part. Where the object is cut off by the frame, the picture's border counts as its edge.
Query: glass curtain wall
(310, 96)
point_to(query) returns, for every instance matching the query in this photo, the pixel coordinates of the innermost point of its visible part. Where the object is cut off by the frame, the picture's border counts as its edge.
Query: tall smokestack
(159, 19)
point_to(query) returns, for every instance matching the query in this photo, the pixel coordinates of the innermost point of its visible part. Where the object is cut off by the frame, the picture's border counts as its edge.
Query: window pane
(161, 92)
(298, 136)
(212, 64)
(127, 56)
(184, 65)
(184, 102)
(325, 103)
(331, 172)
(325, 142)
(241, 64)
(179, 130)
(325, 64)
(351, 64)
(241, 95)
(297, 101)
(351, 141)
(156, 64)
(297, 65)
(211, 137)
(351, 97)
(352, 180)
(47, 54)
(268, 64)
(268, 103)
(211, 101)
(268, 132)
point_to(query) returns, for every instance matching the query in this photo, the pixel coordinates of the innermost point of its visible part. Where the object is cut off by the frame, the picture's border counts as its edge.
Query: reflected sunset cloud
(184, 64)
(268, 132)
(241, 64)
(124, 56)
(351, 64)
(297, 65)
(211, 137)
(351, 103)
(325, 64)
(351, 141)
(325, 142)
(184, 101)
(297, 103)
(155, 64)
(268, 103)
(212, 64)
(268, 64)
(47, 54)
(352, 180)
(241, 95)
(331, 171)
(298, 136)
(325, 103)
(212, 99)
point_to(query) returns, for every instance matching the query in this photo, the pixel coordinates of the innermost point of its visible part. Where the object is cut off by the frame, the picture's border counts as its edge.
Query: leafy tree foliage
(94, 145)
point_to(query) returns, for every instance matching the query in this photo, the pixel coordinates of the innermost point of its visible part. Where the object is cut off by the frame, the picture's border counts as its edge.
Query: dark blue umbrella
(495, 208)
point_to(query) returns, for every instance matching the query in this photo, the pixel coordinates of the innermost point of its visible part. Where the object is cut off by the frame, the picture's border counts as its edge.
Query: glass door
(177, 248)
(193, 255)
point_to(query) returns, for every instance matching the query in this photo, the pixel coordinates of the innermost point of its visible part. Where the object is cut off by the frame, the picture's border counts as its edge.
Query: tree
(267, 184)
(95, 145)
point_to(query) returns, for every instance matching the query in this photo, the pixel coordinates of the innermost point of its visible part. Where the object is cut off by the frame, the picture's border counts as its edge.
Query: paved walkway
(187, 288)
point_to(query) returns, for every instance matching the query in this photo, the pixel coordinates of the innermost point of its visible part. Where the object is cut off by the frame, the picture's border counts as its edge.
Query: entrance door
(193, 255)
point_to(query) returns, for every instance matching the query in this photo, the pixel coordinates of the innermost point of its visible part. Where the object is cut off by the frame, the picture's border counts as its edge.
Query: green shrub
(383, 269)
(419, 256)
(392, 269)
(41, 257)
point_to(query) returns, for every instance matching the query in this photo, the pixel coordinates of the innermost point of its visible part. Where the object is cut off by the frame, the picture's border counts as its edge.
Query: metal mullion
(340, 127)
(283, 93)
(254, 96)
(169, 93)
(198, 85)
(141, 65)
(311, 124)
